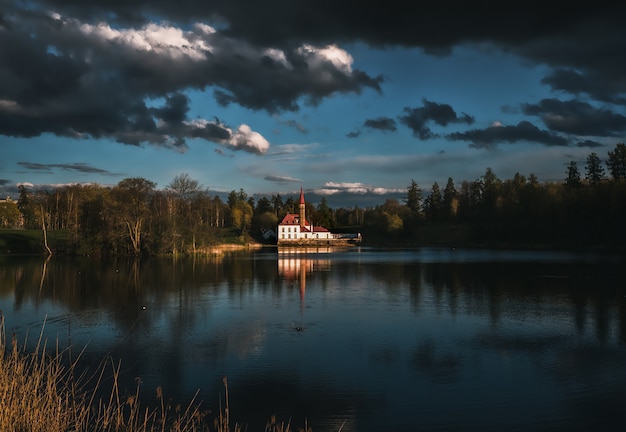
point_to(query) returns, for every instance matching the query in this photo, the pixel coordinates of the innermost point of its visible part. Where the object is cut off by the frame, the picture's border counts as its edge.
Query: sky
(350, 101)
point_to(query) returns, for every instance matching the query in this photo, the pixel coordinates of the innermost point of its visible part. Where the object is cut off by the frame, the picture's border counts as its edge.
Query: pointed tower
(302, 208)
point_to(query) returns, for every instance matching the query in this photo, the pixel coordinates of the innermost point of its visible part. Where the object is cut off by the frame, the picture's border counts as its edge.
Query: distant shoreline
(29, 242)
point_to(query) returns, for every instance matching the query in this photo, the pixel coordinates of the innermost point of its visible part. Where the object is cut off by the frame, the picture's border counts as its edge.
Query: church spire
(302, 208)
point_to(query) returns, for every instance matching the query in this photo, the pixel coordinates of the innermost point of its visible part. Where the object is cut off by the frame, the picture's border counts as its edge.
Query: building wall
(293, 232)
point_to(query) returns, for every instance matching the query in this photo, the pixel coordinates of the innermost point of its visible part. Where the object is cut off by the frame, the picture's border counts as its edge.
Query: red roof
(294, 219)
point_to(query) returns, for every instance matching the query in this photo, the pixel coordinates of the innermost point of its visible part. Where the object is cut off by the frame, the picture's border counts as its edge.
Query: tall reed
(41, 392)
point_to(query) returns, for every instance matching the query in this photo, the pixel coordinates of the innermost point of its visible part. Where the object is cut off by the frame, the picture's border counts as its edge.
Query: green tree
(393, 223)
(290, 206)
(450, 200)
(241, 210)
(324, 214)
(25, 207)
(241, 214)
(414, 199)
(490, 192)
(235, 197)
(573, 175)
(469, 199)
(96, 219)
(433, 204)
(277, 205)
(594, 171)
(617, 162)
(260, 219)
(264, 205)
(9, 214)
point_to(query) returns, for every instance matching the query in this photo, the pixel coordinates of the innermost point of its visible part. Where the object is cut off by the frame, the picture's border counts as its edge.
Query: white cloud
(278, 56)
(246, 139)
(160, 39)
(332, 188)
(316, 57)
(344, 185)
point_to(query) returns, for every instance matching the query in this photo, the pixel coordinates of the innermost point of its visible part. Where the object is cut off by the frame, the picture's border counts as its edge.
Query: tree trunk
(45, 231)
(134, 232)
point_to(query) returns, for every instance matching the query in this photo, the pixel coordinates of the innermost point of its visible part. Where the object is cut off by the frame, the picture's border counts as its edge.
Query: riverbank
(30, 242)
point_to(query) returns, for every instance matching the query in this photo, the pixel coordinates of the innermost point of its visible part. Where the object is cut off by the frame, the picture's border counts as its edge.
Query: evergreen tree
(414, 198)
(594, 170)
(490, 190)
(434, 203)
(573, 176)
(324, 214)
(277, 205)
(450, 200)
(264, 205)
(617, 162)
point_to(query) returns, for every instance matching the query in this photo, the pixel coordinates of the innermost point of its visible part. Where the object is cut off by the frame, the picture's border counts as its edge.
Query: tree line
(134, 218)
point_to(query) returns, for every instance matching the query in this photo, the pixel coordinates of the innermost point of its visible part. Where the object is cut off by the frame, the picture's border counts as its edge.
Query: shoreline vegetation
(43, 391)
(31, 242)
(134, 218)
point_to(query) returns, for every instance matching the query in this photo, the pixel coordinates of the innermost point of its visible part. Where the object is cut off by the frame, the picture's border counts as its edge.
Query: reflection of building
(294, 266)
(295, 229)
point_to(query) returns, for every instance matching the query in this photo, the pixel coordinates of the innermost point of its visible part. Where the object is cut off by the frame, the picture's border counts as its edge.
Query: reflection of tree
(44, 271)
(480, 288)
(582, 295)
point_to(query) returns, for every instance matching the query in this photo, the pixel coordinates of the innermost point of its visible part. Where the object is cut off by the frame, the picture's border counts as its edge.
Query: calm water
(358, 340)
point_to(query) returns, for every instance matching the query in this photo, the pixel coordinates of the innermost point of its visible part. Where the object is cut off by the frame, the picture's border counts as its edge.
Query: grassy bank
(31, 242)
(41, 392)
(22, 241)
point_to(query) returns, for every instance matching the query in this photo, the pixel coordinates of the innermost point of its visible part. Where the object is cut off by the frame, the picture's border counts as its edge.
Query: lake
(357, 339)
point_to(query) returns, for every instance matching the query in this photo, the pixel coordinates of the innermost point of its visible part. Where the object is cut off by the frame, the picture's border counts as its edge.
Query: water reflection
(367, 339)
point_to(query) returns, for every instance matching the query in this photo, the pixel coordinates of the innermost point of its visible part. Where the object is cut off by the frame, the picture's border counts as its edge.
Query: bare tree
(132, 201)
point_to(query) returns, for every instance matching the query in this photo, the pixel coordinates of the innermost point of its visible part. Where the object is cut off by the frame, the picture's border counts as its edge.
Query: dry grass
(40, 392)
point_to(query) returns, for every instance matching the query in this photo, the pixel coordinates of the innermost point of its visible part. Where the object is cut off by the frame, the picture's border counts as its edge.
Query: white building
(295, 229)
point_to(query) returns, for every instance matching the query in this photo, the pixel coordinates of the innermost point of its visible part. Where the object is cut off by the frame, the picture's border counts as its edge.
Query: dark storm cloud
(79, 167)
(494, 135)
(580, 37)
(417, 119)
(436, 26)
(381, 123)
(577, 118)
(589, 143)
(353, 134)
(598, 88)
(86, 69)
(85, 79)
